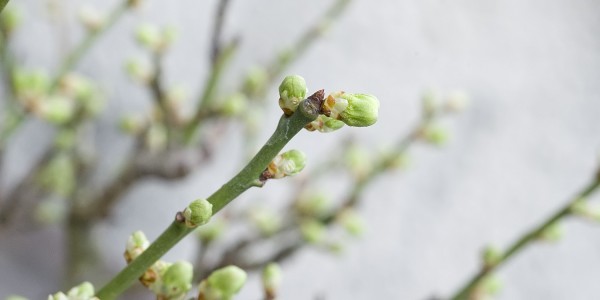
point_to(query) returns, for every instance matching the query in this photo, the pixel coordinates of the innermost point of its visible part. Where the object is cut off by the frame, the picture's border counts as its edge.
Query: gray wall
(528, 141)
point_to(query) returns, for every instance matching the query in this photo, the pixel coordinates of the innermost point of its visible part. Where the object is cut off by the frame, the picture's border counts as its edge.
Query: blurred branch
(215, 49)
(75, 56)
(526, 239)
(3, 4)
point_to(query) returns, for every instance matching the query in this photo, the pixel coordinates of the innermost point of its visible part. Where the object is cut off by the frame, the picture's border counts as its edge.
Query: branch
(525, 240)
(287, 128)
(215, 49)
(3, 4)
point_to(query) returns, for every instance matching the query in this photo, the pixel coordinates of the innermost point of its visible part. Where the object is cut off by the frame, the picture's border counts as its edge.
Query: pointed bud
(324, 124)
(271, 279)
(136, 244)
(357, 110)
(312, 231)
(292, 90)
(223, 283)
(177, 280)
(198, 213)
(286, 164)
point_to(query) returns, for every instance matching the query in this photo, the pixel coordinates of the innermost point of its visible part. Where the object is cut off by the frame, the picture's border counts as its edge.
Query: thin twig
(220, 13)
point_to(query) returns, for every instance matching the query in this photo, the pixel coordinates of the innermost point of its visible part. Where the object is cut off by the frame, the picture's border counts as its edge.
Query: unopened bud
(91, 18)
(139, 70)
(265, 220)
(430, 102)
(313, 204)
(292, 90)
(357, 110)
(136, 244)
(435, 134)
(256, 80)
(552, 233)
(177, 280)
(324, 124)
(156, 137)
(286, 164)
(457, 101)
(490, 285)
(234, 105)
(223, 283)
(82, 291)
(312, 231)
(148, 36)
(132, 124)
(212, 230)
(352, 222)
(198, 213)
(271, 279)
(56, 109)
(491, 256)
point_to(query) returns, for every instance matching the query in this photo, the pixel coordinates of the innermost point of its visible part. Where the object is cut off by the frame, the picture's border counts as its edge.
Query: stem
(246, 178)
(527, 238)
(77, 54)
(215, 49)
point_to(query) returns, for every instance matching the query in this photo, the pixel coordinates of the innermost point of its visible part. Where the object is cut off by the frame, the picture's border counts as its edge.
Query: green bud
(136, 244)
(430, 102)
(271, 279)
(212, 230)
(357, 110)
(177, 280)
(292, 90)
(226, 281)
(267, 221)
(358, 159)
(132, 124)
(324, 124)
(139, 70)
(10, 19)
(156, 137)
(256, 80)
(31, 85)
(234, 105)
(491, 285)
(197, 213)
(286, 164)
(435, 134)
(491, 256)
(312, 231)
(91, 18)
(58, 176)
(457, 101)
(313, 204)
(58, 296)
(352, 222)
(552, 233)
(169, 35)
(82, 291)
(148, 36)
(57, 109)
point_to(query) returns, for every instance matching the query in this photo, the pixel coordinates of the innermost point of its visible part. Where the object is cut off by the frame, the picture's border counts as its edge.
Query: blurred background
(526, 143)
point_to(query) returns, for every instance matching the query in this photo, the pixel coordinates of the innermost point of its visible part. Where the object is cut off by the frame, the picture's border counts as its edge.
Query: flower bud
(132, 124)
(267, 221)
(286, 164)
(457, 101)
(324, 124)
(136, 244)
(256, 80)
(10, 19)
(292, 90)
(58, 296)
(359, 160)
(552, 233)
(352, 222)
(312, 231)
(491, 256)
(223, 283)
(271, 279)
(313, 204)
(168, 36)
(435, 134)
(156, 137)
(31, 85)
(490, 285)
(91, 18)
(139, 70)
(211, 231)
(148, 36)
(198, 213)
(234, 105)
(82, 291)
(56, 109)
(357, 110)
(177, 280)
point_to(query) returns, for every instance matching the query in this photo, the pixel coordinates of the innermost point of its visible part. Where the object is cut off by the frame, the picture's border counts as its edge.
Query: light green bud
(435, 134)
(552, 233)
(132, 124)
(58, 296)
(357, 110)
(292, 90)
(256, 80)
(352, 222)
(313, 204)
(265, 220)
(91, 18)
(156, 137)
(271, 279)
(169, 35)
(212, 230)
(457, 101)
(491, 285)
(31, 84)
(228, 281)
(57, 109)
(324, 124)
(139, 70)
(148, 36)
(81, 292)
(358, 159)
(177, 280)
(197, 213)
(312, 231)
(286, 164)
(491, 256)
(234, 105)
(10, 19)
(136, 244)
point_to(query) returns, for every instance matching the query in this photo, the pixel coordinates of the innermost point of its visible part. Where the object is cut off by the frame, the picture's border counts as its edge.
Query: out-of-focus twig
(217, 30)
